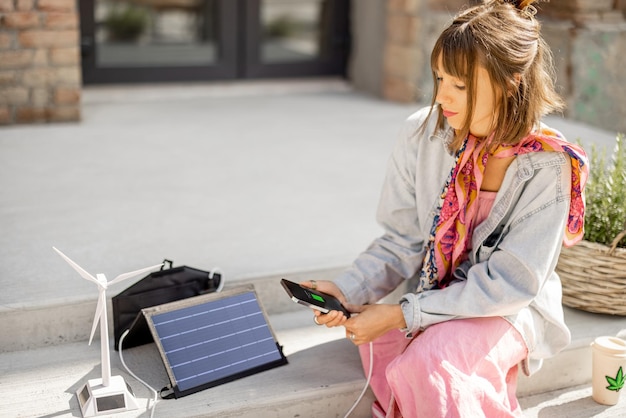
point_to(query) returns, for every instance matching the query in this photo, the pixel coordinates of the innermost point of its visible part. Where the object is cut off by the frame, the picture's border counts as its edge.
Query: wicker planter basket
(594, 277)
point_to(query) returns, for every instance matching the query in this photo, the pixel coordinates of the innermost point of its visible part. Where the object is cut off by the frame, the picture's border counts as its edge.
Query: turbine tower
(109, 393)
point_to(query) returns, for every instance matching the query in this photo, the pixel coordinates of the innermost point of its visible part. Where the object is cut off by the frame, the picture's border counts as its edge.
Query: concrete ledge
(61, 323)
(323, 378)
(575, 402)
(324, 375)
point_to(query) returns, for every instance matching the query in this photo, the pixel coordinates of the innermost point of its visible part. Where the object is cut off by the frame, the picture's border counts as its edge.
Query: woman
(478, 199)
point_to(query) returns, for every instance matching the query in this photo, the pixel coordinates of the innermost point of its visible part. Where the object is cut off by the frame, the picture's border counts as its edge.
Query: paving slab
(256, 178)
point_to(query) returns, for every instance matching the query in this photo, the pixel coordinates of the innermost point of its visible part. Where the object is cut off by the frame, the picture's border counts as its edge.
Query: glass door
(186, 40)
(296, 37)
(157, 40)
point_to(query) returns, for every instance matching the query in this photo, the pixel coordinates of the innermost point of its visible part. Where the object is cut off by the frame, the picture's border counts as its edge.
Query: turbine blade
(78, 268)
(125, 276)
(97, 315)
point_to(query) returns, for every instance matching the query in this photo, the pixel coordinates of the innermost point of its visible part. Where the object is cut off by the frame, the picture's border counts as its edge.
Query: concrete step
(324, 374)
(572, 402)
(44, 324)
(322, 379)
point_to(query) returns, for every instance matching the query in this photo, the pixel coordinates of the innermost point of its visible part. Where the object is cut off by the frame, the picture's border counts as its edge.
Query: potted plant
(593, 272)
(126, 24)
(282, 26)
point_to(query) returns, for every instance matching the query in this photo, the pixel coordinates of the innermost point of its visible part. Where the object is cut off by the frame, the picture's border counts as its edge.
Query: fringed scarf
(452, 228)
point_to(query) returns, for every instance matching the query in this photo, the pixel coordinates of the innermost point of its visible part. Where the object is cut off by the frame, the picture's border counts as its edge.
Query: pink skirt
(460, 368)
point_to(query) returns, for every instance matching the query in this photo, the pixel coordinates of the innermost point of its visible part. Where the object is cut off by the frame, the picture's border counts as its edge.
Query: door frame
(238, 49)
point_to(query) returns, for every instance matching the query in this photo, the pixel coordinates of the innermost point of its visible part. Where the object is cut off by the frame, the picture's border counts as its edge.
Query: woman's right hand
(332, 318)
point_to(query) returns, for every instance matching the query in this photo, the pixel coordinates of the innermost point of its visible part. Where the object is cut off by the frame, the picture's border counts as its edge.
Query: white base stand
(96, 399)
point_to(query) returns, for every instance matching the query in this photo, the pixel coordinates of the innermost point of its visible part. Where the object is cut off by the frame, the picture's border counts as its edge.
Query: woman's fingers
(331, 319)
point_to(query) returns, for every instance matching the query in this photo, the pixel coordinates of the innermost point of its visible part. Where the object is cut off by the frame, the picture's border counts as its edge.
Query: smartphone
(314, 299)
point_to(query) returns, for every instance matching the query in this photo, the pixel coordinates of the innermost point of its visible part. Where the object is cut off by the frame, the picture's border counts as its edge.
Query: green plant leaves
(126, 24)
(617, 383)
(605, 215)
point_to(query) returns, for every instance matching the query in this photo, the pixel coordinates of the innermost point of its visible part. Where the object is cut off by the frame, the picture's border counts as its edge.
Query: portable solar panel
(211, 339)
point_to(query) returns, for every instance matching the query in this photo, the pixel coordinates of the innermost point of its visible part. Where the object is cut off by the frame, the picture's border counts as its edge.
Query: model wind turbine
(110, 393)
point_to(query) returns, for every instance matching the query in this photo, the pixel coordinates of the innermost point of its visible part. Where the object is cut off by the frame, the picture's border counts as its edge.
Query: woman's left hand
(373, 321)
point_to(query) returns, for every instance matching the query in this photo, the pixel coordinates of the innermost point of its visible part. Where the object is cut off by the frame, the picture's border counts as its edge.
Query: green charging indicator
(317, 297)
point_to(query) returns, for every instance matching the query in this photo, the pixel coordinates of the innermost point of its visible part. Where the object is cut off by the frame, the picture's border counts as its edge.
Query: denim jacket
(510, 269)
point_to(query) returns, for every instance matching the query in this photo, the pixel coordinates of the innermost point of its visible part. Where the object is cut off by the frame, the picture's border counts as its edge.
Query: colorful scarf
(452, 228)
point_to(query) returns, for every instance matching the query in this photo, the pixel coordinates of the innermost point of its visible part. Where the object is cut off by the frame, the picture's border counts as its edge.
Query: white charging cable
(154, 402)
(367, 382)
(150, 388)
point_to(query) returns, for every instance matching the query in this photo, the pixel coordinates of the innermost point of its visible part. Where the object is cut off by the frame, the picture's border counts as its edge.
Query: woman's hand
(369, 321)
(332, 318)
(372, 322)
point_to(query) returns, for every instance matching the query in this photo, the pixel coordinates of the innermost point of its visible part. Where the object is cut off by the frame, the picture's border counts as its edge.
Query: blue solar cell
(212, 339)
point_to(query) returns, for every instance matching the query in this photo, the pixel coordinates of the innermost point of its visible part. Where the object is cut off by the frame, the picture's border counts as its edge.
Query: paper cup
(608, 368)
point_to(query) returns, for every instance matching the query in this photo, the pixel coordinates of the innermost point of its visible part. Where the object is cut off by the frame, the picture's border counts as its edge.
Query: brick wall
(412, 28)
(40, 77)
(401, 58)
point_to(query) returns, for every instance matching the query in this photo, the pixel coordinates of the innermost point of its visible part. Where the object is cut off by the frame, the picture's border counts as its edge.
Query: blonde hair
(504, 38)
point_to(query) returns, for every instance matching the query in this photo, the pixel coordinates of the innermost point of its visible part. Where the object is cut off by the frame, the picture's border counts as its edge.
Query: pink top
(485, 202)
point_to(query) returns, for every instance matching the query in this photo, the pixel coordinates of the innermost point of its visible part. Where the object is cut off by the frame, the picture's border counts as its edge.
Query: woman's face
(452, 97)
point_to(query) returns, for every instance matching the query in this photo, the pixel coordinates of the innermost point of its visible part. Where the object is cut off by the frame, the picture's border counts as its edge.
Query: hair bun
(520, 4)
(524, 6)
